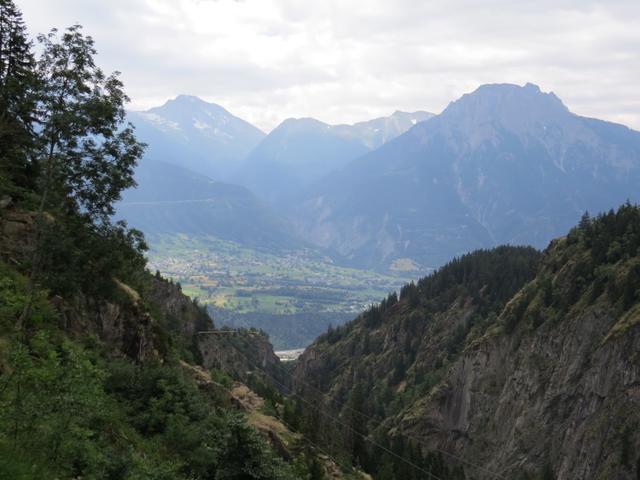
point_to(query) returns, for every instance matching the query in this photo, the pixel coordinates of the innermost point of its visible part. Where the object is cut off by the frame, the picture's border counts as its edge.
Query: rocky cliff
(540, 380)
(241, 351)
(142, 321)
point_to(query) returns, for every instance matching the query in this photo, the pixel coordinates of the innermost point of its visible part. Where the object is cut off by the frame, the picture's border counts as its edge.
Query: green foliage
(65, 152)
(14, 297)
(87, 158)
(76, 415)
(245, 455)
(53, 407)
(396, 457)
(67, 408)
(68, 412)
(599, 257)
(83, 257)
(264, 388)
(316, 472)
(221, 377)
(489, 277)
(17, 102)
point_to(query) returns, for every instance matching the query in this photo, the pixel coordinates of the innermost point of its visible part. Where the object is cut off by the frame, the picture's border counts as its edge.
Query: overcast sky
(348, 60)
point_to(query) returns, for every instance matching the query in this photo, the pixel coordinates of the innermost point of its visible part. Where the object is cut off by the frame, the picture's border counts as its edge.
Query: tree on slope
(87, 159)
(17, 99)
(85, 156)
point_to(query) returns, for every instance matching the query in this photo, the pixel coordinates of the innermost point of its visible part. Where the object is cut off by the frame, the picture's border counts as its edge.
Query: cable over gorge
(452, 295)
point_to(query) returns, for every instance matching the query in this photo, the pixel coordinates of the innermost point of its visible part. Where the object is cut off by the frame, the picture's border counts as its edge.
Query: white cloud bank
(350, 60)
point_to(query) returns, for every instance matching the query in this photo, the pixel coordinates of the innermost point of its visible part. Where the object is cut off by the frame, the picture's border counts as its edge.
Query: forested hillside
(505, 363)
(104, 370)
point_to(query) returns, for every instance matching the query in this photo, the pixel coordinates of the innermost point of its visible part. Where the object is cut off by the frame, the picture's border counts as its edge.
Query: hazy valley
(399, 195)
(442, 296)
(293, 296)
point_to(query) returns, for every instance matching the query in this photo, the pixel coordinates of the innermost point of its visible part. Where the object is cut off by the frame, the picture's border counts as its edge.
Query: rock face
(126, 327)
(561, 397)
(181, 313)
(504, 164)
(16, 234)
(238, 352)
(544, 379)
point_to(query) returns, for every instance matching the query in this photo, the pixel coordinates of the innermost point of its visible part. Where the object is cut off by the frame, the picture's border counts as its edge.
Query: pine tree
(17, 98)
(316, 471)
(357, 427)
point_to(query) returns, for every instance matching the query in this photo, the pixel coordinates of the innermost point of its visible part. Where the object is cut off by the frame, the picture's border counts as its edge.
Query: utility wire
(342, 465)
(319, 410)
(378, 423)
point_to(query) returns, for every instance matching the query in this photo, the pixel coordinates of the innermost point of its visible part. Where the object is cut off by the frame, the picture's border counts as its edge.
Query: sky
(350, 60)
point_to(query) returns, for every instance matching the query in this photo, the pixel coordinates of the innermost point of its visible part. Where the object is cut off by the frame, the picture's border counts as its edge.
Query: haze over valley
(382, 201)
(292, 240)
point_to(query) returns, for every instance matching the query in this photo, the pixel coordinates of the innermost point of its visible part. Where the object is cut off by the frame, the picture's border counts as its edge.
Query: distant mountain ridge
(192, 145)
(379, 131)
(174, 200)
(195, 134)
(504, 164)
(300, 151)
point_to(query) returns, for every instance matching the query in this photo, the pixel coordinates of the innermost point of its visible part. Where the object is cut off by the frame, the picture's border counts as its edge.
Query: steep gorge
(509, 365)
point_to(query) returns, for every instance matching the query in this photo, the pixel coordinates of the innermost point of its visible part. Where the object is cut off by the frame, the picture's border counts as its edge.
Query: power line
(343, 466)
(378, 423)
(218, 332)
(319, 410)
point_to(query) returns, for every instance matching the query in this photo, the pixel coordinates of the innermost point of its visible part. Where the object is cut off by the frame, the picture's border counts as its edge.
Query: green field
(293, 296)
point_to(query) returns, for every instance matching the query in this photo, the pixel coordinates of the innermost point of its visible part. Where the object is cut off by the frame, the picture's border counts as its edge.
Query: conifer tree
(17, 98)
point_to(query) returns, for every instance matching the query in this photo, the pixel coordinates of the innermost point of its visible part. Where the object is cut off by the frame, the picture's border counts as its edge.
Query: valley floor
(293, 296)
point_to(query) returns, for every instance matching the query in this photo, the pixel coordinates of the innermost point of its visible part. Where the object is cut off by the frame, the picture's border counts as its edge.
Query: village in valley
(245, 287)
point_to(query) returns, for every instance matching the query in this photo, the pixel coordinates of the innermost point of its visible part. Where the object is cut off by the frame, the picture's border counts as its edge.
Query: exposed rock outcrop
(546, 380)
(241, 351)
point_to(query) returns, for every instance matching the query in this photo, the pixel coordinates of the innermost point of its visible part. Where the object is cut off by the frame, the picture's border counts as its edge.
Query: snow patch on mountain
(159, 121)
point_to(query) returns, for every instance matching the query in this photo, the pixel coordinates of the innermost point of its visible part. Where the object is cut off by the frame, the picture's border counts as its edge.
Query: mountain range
(192, 145)
(299, 152)
(198, 135)
(503, 164)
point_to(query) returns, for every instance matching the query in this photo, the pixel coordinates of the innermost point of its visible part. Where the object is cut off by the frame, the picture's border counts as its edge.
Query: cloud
(338, 61)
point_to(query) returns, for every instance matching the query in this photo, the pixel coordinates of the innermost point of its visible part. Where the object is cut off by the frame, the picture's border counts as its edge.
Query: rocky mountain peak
(190, 111)
(196, 134)
(523, 110)
(300, 125)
